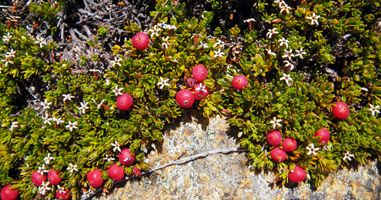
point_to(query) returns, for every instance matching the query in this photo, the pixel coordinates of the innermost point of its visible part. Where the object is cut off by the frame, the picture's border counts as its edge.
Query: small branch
(3, 6)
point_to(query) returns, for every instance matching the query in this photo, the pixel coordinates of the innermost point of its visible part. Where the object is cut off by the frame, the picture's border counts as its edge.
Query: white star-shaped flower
(71, 168)
(46, 105)
(219, 44)
(204, 45)
(7, 60)
(44, 187)
(269, 52)
(14, 125)
(201, 87)
(116, 61)
(116, 146)
(40, 41)
(311, 149)
(271, 32)
(57, 120)
(117, 91)
(299, 53)
(276, 122)
(314, 19)
(287, 78)
(288, 54)
(374, 109)
(162, 83)
(108, 158)
(6, 38)
(154, 31)
(42, 169)
(67, 97)
(11, 53)
(347, 156)
(218, 53)
(285, 8)
(72, 125)
(48, 158)
(84, 106)
(283, 42)
(289, 64)
(46, 119)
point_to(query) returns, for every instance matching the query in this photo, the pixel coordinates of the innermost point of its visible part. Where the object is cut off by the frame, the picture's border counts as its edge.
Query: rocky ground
(226, 176)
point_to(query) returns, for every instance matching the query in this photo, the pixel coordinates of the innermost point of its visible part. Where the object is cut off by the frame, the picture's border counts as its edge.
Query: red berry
(289, 144)
(136, 171)
(54, 177)
(38, 178)
(278, 155)
(140, 41)
(340, 110)
(239, 82)
(274, 138)
(7, 193)
(191, 82)
(94, 178)
(199, 72)
(297, 175)
(323, 134)
(126, 157)
(115, 172)
(63, 195)
(185, 98)
(200, 91)
(124, 102)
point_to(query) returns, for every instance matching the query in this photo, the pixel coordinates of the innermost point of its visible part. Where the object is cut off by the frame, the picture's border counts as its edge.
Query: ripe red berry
(185, 98)
(136, 171)
(289, 144)
(274, 138)
(200, 91)
(124, 102)
(239, 82)
(63, 195)
(54, 177)
(297, 175)
(191, 82)
(7, 193)
(126, 157)
(278, 155)
(340, 110)
(200, 73)
(140, 41)
(115, 172)
(94, 178)
(38, 178)
(324, 135)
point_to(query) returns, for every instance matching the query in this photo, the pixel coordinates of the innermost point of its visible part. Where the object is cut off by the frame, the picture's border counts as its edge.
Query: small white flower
(46, 105)
(287, 78)
(276, 122)
(165, 45)
(219, 44)
(285, 8)
(14, 125)
(374, 109)
(271, 32)
(40, 41)
(116, 61)
(57, 120)
(117, 91)
(71, 168)
(270, 52)
(154, 31)
(108, 158)
(201, 87)
(218, 53)
(288, 54)
(116, 146)
(288, 64)
(6, 38)
(347, 156)
(249, 20)
(283, 42)
(44, 187)
(299, 53)
(42, 169)
(311, 149)
(72, 125)
(67, 97)
(48, 158)
(46, 119)
(84, 106)
(314, 19)
(162, 83)
(204, 45)
(11, 53)
(7, 61)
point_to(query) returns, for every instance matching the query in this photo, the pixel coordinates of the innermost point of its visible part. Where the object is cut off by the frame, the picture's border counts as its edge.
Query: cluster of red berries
(185, 97)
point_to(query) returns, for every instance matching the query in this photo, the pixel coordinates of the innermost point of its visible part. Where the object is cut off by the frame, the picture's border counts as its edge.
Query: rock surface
(226, 176)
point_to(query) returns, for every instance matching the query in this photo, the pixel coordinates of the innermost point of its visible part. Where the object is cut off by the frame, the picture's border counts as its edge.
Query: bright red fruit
(340, 110)
(124, 102)
(7, 193)
(200, 91)
(297, 175)
(94, 178)
(289, 144)
(185, 98)
(323, 134)
(38, 178)
(115, 172)
(136, 171)
(63, 195)
(278, 155)
(126, 157)
(140, 41)
(199, 72)
(239, 82)
(54, 177)
(274, 138)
